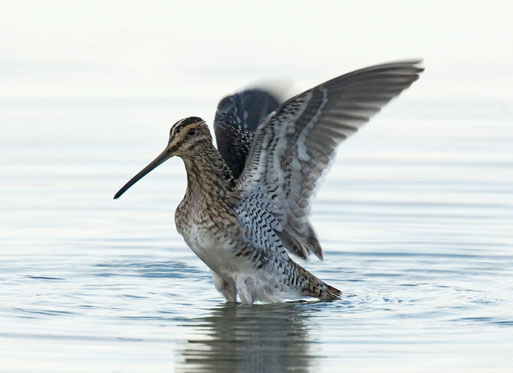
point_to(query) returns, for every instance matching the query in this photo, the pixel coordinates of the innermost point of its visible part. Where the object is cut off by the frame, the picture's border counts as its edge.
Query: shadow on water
(260, 338)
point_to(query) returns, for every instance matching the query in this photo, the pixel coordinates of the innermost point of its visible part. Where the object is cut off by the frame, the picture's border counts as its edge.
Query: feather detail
(292, 148)
(237, 118)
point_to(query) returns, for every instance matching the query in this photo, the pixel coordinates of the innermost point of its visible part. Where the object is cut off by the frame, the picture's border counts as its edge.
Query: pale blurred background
(416, 216)
(165, 50)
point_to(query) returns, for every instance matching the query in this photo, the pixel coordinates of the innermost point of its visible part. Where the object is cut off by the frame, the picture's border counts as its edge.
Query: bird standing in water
(248, 202)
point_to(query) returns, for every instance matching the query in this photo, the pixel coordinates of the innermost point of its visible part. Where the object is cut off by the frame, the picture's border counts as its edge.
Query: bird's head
(186, 138)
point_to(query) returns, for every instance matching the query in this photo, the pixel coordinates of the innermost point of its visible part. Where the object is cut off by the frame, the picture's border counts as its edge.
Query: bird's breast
(212, 236)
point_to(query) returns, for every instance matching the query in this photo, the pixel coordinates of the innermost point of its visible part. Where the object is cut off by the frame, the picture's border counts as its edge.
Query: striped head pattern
(187, 135)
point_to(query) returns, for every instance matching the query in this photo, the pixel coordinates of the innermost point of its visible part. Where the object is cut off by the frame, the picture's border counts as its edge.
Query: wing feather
(237, 118)
(295, 144)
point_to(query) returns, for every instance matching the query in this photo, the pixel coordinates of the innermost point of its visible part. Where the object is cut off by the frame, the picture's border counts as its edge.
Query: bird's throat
(208, 176)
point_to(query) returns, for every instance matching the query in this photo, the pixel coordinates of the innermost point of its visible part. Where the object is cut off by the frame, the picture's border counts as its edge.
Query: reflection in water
(261, 338)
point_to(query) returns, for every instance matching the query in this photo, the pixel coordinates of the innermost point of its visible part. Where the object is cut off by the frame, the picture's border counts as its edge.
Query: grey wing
(293, 147)
(237, 118)
(259, 218)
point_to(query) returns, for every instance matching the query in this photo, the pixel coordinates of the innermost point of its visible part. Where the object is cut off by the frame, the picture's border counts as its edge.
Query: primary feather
(292, 148)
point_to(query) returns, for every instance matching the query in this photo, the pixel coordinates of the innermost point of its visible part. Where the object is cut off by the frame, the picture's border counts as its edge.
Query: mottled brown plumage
(206, 211)
(243, 227)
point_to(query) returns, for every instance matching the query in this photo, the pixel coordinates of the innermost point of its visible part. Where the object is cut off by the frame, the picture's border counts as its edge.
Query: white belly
(217, 253)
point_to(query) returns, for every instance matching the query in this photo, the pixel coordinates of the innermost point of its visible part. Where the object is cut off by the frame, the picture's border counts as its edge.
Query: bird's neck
(208, 175)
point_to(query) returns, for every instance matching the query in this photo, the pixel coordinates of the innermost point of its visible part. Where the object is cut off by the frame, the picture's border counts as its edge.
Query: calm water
(416, 218)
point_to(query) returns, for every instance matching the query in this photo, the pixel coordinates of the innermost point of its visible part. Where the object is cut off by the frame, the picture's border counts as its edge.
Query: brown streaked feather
(313, 287)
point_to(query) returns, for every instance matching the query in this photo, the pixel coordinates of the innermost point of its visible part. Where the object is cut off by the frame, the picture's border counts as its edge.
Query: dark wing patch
(237, 118)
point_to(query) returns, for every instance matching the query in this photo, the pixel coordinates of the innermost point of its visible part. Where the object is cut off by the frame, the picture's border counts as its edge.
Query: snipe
(248, 201)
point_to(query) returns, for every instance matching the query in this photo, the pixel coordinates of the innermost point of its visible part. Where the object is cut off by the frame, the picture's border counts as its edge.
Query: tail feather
(332, 292)
(321, 290)
(311, 286)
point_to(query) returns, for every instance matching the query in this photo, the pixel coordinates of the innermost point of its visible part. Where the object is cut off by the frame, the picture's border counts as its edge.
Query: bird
(247, 203)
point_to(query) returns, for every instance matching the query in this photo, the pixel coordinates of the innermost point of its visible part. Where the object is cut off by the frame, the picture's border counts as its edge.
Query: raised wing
(237, 118)
(294, 145)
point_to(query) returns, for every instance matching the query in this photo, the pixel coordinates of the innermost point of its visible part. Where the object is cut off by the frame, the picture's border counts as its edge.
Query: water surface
(415, 219)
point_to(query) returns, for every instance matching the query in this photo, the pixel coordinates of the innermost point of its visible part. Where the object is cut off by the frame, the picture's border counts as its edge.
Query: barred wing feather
(237, 118)
(292, 148)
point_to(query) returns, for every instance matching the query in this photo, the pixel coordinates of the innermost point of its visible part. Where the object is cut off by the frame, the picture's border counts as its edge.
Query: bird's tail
(311, 286)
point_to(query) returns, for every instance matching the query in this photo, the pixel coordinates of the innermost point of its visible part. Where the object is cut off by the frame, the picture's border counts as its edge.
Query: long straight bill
(164, 156)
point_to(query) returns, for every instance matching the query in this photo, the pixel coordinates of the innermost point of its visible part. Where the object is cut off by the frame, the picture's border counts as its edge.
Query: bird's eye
(192, 131)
